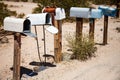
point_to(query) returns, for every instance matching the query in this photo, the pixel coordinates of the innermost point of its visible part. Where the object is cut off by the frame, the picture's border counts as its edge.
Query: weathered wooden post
(57, 15)
(105, 33)
(107, 11)
(17, 56)
(92, 28)
(79, 28)
(81, 13)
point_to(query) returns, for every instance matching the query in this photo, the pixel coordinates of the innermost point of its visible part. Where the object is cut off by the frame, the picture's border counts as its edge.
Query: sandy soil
(105, 66)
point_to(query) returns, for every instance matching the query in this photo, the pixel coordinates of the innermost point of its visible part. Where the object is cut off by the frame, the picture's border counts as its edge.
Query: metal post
(79, 27)
(17, 56)
(44, 42)
(105, 34)
(92, 28)
(37, 43)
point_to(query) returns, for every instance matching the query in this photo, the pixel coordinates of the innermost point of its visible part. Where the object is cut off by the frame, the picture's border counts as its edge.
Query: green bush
(82, 47)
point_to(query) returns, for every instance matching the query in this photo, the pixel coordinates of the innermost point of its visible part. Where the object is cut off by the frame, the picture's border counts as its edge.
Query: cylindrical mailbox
(39, 19)
(17, 24)
(108, 11)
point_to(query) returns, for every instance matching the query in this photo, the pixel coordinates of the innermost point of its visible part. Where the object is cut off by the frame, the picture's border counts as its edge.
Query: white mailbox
(39, 19)
(17, 25)
(59, 14)
(79, 12)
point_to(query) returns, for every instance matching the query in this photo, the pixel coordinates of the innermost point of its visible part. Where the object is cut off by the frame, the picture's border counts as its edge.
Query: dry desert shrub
(83, 48)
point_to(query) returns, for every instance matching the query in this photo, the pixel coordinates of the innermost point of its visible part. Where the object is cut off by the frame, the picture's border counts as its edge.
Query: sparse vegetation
(66, 4)
(83, 48)
(21, 15)
(4, 11)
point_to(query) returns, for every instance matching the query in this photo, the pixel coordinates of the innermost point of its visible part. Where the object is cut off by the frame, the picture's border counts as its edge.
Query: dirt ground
(105, 66)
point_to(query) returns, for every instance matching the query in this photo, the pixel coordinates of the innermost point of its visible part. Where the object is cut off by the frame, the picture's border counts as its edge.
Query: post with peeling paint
(17, 56)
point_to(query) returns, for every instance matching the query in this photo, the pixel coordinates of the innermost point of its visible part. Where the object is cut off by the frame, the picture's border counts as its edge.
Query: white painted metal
(79, 12)
(39, 19)
(59, 14)
(13, 24)
(52, 29)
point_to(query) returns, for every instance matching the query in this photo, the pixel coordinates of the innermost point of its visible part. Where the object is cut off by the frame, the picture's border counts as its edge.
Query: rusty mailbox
(58, 12)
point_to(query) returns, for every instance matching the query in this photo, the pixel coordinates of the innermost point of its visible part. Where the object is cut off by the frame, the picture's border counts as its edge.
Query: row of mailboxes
(92, 13)
(85, 12)
(24, 25)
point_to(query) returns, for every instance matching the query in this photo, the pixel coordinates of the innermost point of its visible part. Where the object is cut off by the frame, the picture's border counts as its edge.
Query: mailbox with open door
(18, 25)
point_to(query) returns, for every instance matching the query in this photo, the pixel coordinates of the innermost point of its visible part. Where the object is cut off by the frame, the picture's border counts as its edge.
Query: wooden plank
(105, 33)
(17, 54)
(92, 28)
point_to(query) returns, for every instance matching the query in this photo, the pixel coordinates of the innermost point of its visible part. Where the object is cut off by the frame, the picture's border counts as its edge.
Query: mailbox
(96, 13)
(79, 12)
(85, 12)
(17, 25)
(39, 19)
(108, 11)
(59, 12)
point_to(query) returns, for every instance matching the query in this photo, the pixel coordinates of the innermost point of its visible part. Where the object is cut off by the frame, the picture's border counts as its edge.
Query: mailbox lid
(108, 11)
(96, 13)
(39, 19)
(13, 24)
(79, 12)
(59, 14)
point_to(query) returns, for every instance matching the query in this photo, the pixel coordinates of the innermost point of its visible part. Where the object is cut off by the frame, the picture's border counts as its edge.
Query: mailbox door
(13, 24)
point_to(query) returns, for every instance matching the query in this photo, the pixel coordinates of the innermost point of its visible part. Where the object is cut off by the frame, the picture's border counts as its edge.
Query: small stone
(4, 40)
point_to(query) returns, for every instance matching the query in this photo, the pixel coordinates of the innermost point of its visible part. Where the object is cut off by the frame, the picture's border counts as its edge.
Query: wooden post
(105, 34)
(57, 39)
(17, 52)
(92, 28)
(79, 27)
(59, 54)
(118, 10)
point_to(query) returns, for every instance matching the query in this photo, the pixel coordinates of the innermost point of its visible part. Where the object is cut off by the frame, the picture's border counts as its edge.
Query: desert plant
(4, 11)
(82, 47)
(21, 15)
